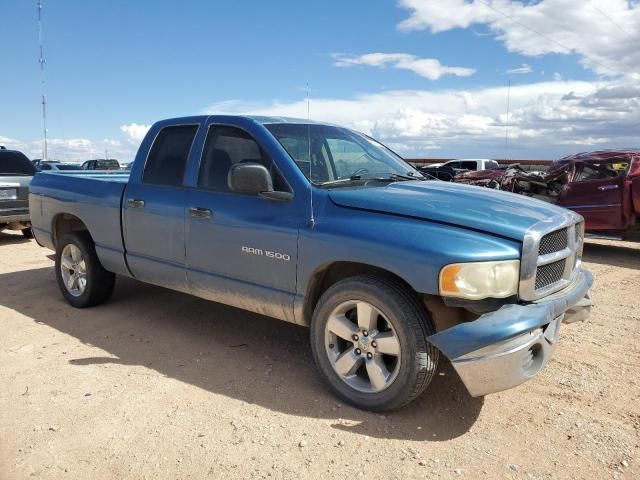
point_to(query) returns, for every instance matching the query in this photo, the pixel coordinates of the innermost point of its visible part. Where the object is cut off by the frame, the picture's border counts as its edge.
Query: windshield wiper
(352, 178)
(387, 177)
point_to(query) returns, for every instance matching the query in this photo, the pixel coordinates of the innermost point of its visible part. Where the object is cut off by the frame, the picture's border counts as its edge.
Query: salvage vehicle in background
(471, 164)
(448, 170)
(325, 227)
(16, 172)
(602, 186)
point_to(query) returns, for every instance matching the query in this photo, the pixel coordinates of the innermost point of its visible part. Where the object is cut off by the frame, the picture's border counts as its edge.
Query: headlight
(479, 280)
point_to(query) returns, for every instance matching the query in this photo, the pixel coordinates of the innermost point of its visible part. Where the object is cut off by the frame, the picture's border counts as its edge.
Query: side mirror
(249, 177)
(254, 178)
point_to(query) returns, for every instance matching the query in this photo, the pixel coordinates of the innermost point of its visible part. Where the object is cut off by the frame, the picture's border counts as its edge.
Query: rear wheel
(80, 275)
(369, 340)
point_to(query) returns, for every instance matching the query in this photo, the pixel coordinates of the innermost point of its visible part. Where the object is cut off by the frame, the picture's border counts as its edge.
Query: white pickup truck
(469, 164)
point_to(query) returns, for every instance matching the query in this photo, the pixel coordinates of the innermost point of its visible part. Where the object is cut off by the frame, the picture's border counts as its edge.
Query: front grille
(549, 274)
(553, 242)
(550, 256)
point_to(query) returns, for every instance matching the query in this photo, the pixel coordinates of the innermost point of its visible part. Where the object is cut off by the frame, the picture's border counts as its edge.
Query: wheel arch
(64, 223)
(328, 274)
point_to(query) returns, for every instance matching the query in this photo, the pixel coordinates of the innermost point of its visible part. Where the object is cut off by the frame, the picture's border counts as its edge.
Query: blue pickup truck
(325, 227)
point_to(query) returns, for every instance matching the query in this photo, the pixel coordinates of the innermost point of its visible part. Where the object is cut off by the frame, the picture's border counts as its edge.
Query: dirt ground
(157, 384)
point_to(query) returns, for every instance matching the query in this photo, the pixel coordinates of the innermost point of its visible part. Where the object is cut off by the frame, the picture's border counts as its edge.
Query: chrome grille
(550, 273)
(551, 254)
(553, 242)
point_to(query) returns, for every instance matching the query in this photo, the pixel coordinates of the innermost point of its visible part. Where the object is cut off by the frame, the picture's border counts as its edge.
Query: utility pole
(41, 60)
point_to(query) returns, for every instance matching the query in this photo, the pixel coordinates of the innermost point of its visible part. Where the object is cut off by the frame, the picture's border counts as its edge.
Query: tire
(27, 233)
(396, 314)
(98, 283)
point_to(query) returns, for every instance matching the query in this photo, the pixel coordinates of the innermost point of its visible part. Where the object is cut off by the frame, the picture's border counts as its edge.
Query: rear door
(596, 194)
(153, 211)
(241, 249)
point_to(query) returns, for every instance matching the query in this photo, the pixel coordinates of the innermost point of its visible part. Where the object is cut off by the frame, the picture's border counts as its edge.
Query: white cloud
(430, 68)
(81, 149)
(11, 143)
(521, 70)
(135, 132)
(73, 149)
(546, 118)
(605, 44)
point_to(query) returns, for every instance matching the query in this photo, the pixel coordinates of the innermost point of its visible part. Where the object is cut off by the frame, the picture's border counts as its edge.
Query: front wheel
(27, 232)
(369, 340)
(81, 277)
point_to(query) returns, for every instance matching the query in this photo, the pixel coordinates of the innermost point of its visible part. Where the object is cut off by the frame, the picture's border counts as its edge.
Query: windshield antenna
(312, 220)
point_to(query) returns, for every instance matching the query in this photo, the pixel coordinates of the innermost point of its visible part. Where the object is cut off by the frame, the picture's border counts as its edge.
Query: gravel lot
(157, 384)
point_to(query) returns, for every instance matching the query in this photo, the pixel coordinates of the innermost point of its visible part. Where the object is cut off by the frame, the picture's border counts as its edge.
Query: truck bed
(93, 197)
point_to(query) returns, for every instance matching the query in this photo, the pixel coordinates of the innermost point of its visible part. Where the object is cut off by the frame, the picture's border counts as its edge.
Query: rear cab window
(168, 156)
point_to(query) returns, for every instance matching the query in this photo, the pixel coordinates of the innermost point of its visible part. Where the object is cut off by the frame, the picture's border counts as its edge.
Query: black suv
(16, 172)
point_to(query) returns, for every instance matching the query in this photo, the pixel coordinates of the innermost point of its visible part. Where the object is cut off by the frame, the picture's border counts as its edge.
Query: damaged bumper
(507, 347)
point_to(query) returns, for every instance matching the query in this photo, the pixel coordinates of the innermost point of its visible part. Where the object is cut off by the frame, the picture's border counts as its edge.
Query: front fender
(413, 249)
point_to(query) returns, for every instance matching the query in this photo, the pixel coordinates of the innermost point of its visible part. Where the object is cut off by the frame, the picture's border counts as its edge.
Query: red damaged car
(603, 187)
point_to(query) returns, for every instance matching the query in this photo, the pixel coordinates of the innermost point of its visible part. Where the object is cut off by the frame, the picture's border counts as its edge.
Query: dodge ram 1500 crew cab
(325, 227)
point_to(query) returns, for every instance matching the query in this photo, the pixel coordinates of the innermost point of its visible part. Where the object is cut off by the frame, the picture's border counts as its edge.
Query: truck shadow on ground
(12, 238)
(618, 254)
(231, 352)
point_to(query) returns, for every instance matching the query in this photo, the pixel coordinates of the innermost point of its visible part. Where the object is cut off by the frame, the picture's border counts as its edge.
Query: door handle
(135, 203)
(200, 212)
(604, 188)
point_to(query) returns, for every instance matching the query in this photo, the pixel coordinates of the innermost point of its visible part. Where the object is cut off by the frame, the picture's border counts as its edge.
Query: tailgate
(14, 195)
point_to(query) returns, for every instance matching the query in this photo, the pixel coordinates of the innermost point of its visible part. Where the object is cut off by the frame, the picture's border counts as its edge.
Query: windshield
(338, 155)
(15, 163)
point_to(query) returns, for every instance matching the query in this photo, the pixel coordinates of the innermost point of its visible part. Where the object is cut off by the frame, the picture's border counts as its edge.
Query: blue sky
(115, 67)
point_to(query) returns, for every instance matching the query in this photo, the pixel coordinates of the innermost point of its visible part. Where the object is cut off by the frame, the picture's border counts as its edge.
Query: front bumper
(505, 348)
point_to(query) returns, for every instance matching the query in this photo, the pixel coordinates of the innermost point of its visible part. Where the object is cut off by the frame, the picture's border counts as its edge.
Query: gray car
(16, 172)
(57, 166)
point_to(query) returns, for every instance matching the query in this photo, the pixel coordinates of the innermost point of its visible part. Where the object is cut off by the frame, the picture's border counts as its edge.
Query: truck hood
(492, 211)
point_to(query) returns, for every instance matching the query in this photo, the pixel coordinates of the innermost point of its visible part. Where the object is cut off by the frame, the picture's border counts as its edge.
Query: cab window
(168, 156)
(590, 173)
(225, 146)
(469, 165)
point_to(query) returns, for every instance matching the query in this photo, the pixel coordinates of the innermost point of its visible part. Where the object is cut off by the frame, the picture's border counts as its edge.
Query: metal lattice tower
(42, 61)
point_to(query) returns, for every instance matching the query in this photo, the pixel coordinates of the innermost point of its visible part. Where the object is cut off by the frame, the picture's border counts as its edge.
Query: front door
(154, 223)
(596, 194)
(241, 249)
